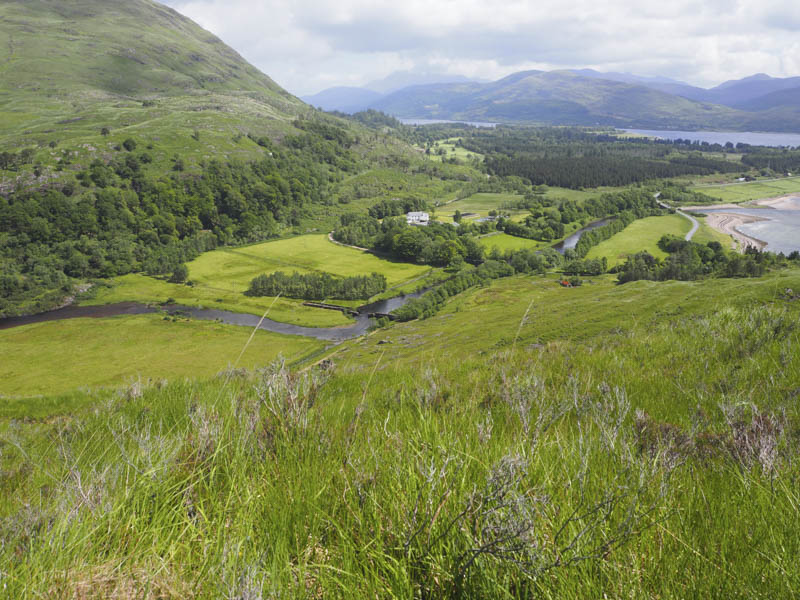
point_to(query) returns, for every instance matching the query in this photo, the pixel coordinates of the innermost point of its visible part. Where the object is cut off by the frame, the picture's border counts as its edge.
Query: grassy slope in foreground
(56, 357)
(489, 318)
(358, 488)
(222, 276)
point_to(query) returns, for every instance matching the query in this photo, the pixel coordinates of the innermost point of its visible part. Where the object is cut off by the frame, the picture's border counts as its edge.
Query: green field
(503, 242)
(642, 234)
(707, 234)
(451, 150)
(58, 356)
(754, 190)
(479, 205)
(221, 277)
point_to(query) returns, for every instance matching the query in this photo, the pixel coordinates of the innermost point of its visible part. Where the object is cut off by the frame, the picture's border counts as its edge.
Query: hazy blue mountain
(739, 93)
(403, 79)
(781, 99)
(588, 98)
(561, 97)
(344, 99)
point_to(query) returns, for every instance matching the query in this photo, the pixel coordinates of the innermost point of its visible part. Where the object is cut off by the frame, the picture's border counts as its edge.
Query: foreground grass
(755, 190)
(58, 356)
(659, 461)
(221, 277)
(642, 234)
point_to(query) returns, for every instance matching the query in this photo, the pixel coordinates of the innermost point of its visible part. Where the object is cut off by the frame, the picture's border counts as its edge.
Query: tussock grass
(655, 461)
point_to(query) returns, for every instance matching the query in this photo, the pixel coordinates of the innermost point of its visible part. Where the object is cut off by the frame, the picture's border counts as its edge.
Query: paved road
(695, 223)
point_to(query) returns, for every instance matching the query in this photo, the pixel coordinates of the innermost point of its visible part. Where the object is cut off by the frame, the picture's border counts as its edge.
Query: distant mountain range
(583, 97)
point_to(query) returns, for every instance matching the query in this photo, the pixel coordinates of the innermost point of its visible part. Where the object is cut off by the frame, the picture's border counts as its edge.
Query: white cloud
(307, 45)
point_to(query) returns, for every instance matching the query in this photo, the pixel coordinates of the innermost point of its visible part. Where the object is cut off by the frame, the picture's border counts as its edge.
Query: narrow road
(695, 223)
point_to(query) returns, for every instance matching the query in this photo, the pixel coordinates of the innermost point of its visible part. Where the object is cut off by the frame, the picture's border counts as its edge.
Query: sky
(309, 45)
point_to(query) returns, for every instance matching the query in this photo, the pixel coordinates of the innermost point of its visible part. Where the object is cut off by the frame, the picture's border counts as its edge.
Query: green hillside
(69, 69)
(529, 441)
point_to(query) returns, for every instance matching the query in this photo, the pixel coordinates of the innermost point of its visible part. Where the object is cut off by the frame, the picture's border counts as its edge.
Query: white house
(417, 218)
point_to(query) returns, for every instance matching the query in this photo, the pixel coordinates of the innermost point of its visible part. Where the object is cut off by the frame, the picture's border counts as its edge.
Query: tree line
(505, 265)
(118, 216)
(317, 286)
(689, 261)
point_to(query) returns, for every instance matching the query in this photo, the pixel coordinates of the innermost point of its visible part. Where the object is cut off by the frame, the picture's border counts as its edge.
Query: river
(570, 242)
(722, 137)
(332, 334)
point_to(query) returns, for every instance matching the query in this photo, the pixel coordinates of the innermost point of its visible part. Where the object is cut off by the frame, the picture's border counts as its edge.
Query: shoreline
(787, 202)
(727, 223)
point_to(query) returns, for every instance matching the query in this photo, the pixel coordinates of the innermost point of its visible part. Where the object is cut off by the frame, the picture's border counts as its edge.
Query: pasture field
(451, 150)
(482, 203)
(221, 277)
(479, 205)
(55, 357)
(642, 234)
(754, 190)
(503, 242)
(359, 192)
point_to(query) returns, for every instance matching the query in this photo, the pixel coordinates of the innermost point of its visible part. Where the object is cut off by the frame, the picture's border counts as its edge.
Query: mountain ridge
(572, 98)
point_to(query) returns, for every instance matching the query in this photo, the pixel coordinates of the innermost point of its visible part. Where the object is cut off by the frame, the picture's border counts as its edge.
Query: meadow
(221, 277)
(641, 235)
(532, 452)
(479, 205)
(452, 151)
(503, 242)
(55, 357)
(754, 190)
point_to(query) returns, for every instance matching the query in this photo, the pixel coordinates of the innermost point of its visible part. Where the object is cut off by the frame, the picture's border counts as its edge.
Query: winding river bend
(572, 241)
(332, 334)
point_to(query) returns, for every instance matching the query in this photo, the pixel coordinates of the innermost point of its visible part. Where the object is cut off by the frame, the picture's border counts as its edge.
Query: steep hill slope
(68, 69)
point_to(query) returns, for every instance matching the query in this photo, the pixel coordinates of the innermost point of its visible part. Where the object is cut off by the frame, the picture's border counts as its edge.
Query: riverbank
(728, 222)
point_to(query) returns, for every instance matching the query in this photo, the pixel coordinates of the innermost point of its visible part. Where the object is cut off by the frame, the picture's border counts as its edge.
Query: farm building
(417, 218)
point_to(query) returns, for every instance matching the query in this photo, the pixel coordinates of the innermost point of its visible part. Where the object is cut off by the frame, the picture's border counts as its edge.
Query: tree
(457, 216)
(180, 274)
(129, 144)
(105, 131)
